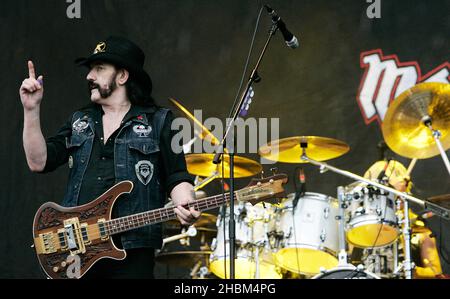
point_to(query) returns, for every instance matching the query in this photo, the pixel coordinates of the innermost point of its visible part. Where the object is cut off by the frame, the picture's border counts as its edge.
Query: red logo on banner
(385, 78)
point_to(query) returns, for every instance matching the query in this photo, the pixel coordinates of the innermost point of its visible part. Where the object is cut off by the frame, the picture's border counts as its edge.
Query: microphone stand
(254, 77)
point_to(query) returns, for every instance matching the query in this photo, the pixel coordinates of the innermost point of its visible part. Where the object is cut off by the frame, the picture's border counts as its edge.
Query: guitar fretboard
(122, 224)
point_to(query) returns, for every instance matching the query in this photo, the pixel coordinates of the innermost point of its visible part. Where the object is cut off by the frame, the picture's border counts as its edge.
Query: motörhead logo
(386, 77)
(101, 47)
(142, 131)
(80, 125)
(144, 171)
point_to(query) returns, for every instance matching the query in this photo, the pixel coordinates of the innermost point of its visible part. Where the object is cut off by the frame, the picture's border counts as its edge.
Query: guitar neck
(123, 224)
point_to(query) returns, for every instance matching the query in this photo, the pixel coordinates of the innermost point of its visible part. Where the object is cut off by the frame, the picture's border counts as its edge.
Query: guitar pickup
(84, 234)
(62, 239)
(102, 229)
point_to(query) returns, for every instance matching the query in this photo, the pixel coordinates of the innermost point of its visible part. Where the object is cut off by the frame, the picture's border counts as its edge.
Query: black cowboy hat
(123, 53)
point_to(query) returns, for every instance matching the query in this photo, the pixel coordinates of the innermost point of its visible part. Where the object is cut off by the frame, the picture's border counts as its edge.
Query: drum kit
(364, 232)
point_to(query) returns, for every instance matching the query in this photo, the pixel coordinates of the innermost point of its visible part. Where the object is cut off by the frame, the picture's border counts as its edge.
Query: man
(120, 135)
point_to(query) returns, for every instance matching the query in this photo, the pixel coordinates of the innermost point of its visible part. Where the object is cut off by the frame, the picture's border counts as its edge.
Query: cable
(293, 218)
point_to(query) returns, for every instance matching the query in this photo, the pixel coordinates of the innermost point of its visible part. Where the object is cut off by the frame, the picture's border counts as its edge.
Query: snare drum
(309, 234)
(253, 224)
(371, 218)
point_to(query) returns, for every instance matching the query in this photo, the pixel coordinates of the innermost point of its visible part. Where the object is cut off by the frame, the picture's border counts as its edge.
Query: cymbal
(182, 258)
(403, 126)
(202, 165)
(205, 134)
(288, 150)
(204, 220)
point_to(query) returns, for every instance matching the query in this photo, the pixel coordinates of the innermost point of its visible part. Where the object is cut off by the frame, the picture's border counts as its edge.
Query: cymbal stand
(342, 257)
(407, 265)
(206, 181)
(437, 135)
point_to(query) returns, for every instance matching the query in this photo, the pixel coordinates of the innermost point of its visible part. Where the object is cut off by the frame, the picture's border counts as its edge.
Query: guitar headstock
(266, 189)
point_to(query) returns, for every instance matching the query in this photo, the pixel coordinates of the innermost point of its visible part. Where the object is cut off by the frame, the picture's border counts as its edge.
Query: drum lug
(326, 212)
(360, 211)
(323, 235)
(379, 211)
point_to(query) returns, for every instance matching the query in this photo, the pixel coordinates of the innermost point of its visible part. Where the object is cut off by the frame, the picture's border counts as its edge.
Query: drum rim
(345, 268)
(351, 224)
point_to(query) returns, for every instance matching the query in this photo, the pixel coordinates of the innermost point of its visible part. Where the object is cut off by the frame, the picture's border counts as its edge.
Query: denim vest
(136, 158)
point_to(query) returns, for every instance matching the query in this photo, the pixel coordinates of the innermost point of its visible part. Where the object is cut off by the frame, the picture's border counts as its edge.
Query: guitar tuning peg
(274, 170)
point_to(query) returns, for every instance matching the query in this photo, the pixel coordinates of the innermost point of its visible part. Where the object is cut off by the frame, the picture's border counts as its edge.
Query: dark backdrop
(195, 51)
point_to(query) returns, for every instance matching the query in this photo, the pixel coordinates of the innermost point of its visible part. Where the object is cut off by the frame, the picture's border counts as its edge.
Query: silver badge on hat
(144, 171)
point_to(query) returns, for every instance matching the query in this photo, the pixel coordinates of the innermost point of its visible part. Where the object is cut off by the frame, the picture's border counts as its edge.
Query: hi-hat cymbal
(289, 150)
(202, 165)
(205, 133)
(403, 126)
(182, 258)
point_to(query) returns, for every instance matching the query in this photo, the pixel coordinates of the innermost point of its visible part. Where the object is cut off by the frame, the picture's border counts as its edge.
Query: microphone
(291, 40)
(302, 179)
(382, 148)
(383, 172)
(300, 189)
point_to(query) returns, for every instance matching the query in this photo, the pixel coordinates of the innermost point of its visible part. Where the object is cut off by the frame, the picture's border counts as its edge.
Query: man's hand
(187, 217)
(32, 90)
(181, 195)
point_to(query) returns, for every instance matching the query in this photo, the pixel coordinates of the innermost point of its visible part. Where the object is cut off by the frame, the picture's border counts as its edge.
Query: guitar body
(69, 241)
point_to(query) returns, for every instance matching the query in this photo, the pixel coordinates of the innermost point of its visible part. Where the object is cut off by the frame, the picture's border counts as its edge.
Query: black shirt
(100, 174)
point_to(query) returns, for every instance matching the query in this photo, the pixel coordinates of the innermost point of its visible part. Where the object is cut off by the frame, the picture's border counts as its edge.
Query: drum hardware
(407, 265)
(200, 183)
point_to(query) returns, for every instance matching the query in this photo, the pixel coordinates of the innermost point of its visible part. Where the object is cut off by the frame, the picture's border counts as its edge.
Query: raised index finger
(31, 70)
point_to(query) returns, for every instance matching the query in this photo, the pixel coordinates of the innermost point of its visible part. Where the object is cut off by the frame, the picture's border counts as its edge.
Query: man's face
(101, 81)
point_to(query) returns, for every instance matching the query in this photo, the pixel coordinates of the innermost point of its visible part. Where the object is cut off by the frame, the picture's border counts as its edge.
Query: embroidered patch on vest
(80, 125)
(144, 171)
(142, 131)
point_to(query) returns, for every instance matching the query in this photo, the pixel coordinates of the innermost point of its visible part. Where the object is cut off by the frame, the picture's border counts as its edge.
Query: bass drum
(346, 272)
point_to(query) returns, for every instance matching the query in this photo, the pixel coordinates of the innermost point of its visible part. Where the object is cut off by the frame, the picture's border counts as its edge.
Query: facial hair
(104, 92)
